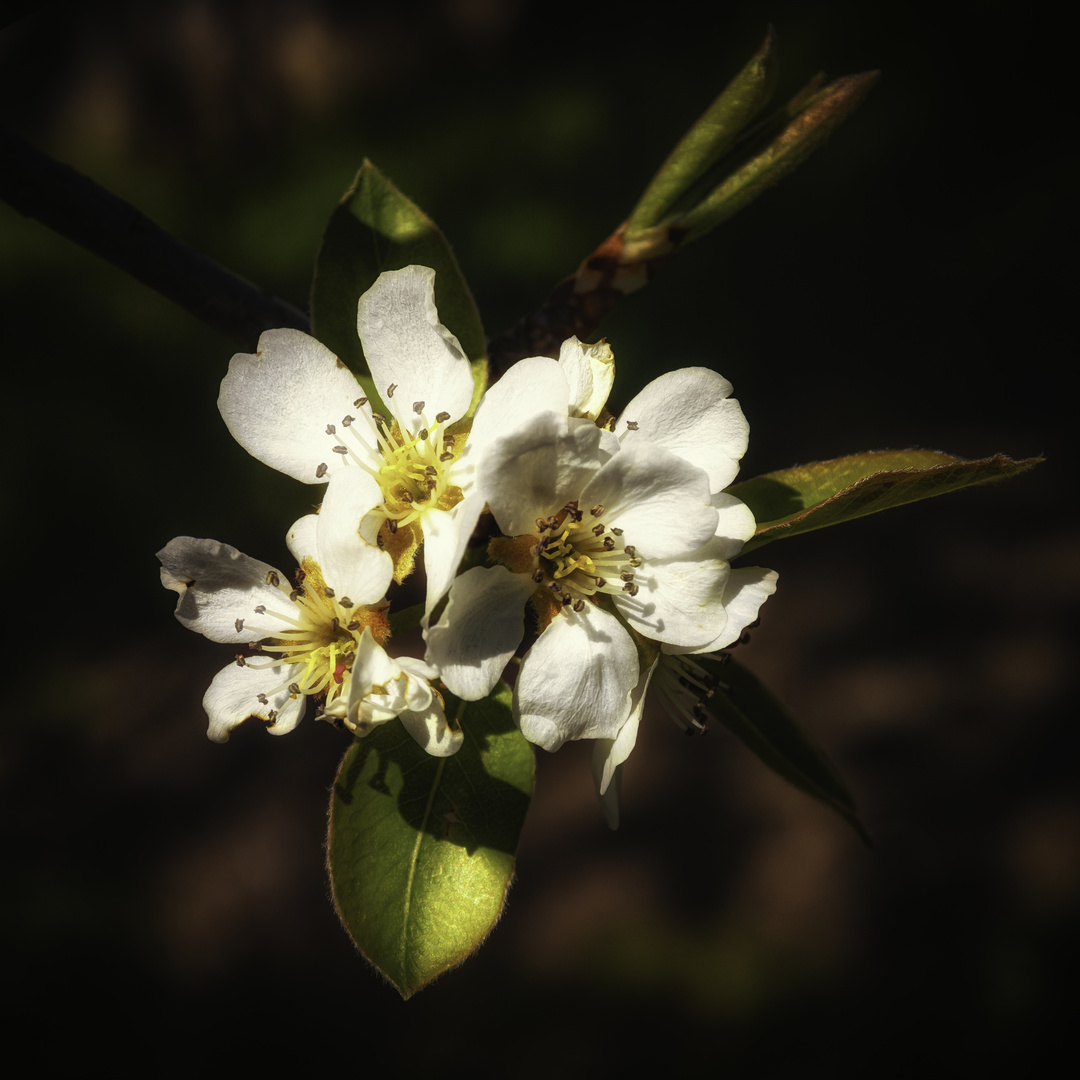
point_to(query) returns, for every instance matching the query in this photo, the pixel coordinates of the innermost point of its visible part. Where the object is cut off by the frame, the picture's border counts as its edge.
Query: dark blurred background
(164, 899)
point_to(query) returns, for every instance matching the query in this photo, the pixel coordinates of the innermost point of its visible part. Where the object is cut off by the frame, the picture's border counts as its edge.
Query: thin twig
(77, 208)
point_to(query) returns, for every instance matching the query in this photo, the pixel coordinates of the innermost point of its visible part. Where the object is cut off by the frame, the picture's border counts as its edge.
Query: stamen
(330, 429)
(359, 401)
(273, 579)
(390, 390)
(441, 418)
(320, 472)
(632, 425)
(418, 407)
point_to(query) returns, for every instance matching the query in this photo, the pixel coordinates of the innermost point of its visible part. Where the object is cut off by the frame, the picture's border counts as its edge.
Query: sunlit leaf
(750, 712)
(808, 497)
(375, 228)
(421, 849)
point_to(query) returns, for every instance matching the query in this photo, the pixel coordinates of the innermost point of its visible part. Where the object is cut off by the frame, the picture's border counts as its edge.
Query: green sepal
(750, 712)
(707, 141)
(375, 228)
(421, 849)
(808, 497)
(820, 113)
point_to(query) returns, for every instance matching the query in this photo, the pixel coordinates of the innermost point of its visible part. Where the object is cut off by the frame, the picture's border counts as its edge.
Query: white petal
(407, 347)
(590, 374)
(479, 630)
(530, 387)
(219, 585)
(576, 681)
(660, 501)
(233, 696)
(537, 470)
(351, 566)
(690, 412)
(609, 754)
(446, 535)
(680, 601)
(278, 402)
(735, 523)
(302, 539)
(432, 732)
(745, 591)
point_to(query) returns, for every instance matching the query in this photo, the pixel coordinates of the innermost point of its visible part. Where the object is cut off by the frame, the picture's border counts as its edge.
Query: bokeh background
(164, 899)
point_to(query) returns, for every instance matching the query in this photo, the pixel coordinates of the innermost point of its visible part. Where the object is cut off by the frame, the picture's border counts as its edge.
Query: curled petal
(219, 587)
(745, 590)
(278, 402)
(735, 523)
(576, 681)
(691, 413)
(233, 697)
(590, 374)
(407, 347)
(432, 732)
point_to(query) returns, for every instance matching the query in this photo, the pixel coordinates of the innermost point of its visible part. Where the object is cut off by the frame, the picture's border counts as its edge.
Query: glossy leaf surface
(421, 849)
(375, 228)
(793, 501)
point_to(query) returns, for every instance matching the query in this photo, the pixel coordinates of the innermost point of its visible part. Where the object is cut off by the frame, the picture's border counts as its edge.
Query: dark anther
(359, 401)
(273, 579)
(441, 418)
(390, 390)
(294, 688)
(263, 699)
(596, 510)
(418, 407)
(341, 449)
(296, 594)
(423, 434)
(431, 470)
(617, 532)
(598, 530)
(579, 605)
(448, 456)
(354, 625)
(327, 591)
(239, 625)
(345, 602)
(609, 544)
(538, 575)
(391, 524)
(240, 661)
(260, 610)
(632, 425)
(346, 421)
(320, 472)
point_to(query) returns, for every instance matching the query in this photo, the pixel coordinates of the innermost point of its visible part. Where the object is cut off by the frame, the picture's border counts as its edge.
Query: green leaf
(708, 140)
(376, 228)
(808, 497)
(421, 849)
(750, 712)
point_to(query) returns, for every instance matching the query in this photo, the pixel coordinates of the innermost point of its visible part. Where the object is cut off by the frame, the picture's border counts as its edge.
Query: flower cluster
(611, 561)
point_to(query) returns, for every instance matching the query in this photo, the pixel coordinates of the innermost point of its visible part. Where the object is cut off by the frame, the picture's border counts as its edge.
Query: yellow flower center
(413, 470)
(316, 635)
(574, 555)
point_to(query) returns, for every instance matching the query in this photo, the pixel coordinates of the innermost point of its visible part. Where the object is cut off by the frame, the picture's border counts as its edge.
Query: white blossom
(296, 407)
(312, 639)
